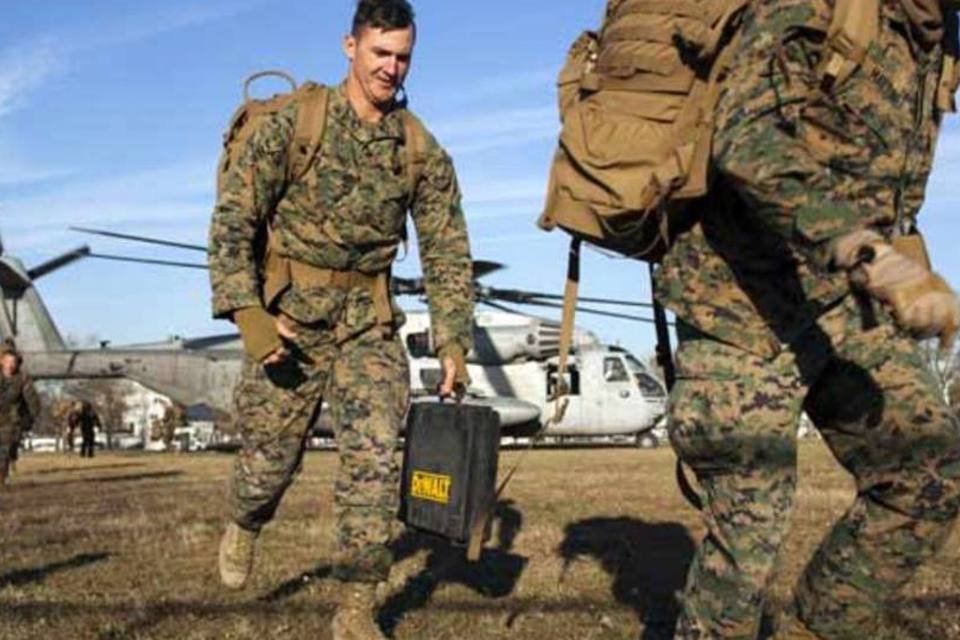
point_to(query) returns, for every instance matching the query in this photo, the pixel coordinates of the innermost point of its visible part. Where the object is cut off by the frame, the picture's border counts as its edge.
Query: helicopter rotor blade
(145, 239)
(483, 268)
(59, 262)
(162, 263)
(588, 310)
(406, 286)
(520, 296)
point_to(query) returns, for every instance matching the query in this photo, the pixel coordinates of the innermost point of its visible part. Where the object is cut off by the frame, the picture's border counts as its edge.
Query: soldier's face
(379, 62)
(9, 365)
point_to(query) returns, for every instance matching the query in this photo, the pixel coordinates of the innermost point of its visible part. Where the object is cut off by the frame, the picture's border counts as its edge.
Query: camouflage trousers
(9, 442)
(365, 383)
(733, 420)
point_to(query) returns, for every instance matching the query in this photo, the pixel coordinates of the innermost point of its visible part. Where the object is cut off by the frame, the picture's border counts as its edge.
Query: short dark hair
(382, 14)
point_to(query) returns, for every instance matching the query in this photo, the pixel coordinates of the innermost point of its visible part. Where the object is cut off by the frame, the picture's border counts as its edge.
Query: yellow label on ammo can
(431, 486)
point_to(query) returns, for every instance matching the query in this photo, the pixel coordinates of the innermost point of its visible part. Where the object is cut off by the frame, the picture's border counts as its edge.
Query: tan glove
(922, 301)
(455, 376)
(258, 329)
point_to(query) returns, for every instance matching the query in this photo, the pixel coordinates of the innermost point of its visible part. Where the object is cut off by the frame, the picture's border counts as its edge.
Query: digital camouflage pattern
(768, 330)
(347, 213)
(365, 382)
(19, 407)
(733, 421)
(803, 173)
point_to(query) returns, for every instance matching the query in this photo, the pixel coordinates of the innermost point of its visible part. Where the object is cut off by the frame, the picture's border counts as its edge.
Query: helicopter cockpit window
(614, 371)
(649, 386)
(572, 377)
(635, 365)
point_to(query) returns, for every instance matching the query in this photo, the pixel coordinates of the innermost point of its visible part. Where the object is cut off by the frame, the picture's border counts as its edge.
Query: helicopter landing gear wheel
(647, 440)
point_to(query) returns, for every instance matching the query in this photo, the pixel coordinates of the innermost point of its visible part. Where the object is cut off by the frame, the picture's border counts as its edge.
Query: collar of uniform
(390, 126)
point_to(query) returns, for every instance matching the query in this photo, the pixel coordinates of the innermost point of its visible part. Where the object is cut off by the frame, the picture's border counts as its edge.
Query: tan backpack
(636, 106)
(636, 103)
(308, 135)
(309, 129)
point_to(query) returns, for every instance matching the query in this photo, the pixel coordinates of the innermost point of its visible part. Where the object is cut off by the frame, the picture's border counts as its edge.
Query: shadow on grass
(494, 576)
(293, 586)
(648, 563)
(92, 467)
(136, 477)
(23, 577)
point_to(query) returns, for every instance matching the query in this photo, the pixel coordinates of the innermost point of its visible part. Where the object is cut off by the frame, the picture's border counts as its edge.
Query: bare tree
(945, 368)
(49, 422)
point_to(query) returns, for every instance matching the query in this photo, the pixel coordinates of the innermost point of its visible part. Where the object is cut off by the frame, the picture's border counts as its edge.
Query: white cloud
(495, 129)
(148, 24)
(28, 65)
(23, 68)
(176, 200)
(530, 81)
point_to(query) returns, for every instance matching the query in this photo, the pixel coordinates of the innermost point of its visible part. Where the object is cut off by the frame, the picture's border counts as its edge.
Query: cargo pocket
(704, 424)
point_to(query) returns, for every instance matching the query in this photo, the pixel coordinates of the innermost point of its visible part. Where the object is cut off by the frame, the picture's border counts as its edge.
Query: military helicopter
(513, 367)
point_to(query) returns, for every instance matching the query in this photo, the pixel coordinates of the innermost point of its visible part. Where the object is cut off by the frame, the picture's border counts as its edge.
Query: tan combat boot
(235, 561)
(354, 619)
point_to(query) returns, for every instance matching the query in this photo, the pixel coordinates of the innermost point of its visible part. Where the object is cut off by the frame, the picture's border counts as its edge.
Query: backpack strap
(855, 25)
(570, 291)
(475, 542)
(311, 123)
(415, 145)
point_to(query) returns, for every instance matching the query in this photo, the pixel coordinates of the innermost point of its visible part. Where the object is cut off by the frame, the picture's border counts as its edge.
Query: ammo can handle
(283, 75)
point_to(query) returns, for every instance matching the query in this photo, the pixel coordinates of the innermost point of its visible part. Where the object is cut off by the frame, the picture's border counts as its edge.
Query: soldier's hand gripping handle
(922, 302)
(455, 377)
(262, 334)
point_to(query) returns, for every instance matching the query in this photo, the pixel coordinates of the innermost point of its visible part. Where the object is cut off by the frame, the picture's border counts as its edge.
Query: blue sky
(111, 114)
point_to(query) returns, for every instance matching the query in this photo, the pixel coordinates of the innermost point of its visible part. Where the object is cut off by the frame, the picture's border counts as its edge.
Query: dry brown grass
(595, 542)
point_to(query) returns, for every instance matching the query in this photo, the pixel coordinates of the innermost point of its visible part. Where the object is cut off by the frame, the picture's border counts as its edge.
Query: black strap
(665, 360)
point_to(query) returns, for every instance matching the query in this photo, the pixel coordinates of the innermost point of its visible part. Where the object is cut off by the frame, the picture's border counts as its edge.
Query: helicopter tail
(24, 317)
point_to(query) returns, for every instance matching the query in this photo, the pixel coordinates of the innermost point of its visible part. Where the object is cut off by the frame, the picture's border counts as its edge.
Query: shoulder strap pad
(415, 143)
(312, 101)
(855, 25)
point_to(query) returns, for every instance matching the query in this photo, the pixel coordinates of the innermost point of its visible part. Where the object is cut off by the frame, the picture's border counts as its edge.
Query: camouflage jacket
(19, 402)
(347, 213)
(798, 169)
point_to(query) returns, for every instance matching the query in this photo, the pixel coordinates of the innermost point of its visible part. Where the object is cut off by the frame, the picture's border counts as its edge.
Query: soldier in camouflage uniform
(792, 294)
(331, 331)
(19, 407)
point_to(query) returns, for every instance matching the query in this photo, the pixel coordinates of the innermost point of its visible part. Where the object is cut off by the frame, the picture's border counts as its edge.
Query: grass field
(591, 543)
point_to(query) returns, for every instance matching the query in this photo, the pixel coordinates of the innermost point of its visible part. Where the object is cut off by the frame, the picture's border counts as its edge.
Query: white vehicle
(40, 444)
